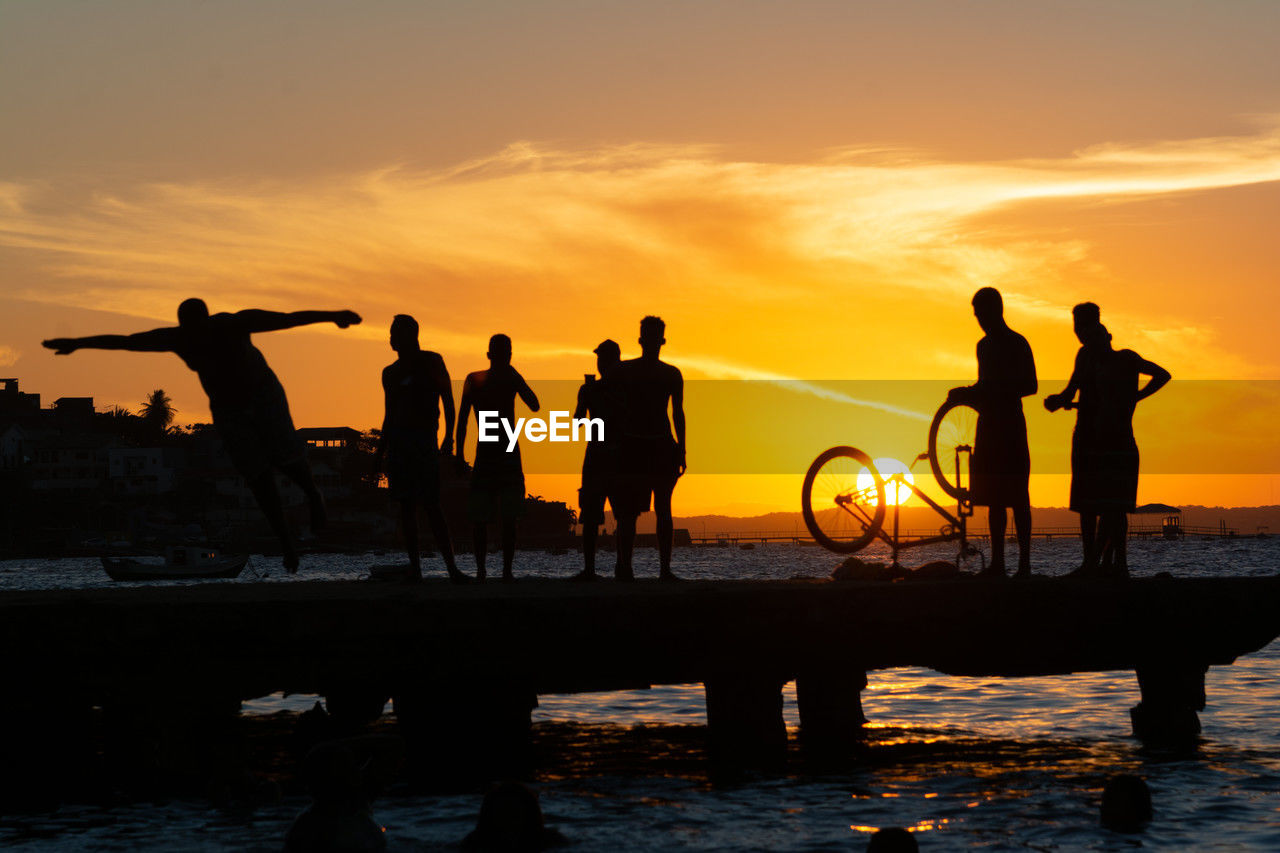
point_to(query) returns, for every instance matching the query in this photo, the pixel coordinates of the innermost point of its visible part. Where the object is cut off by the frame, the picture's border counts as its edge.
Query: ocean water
(967, 763)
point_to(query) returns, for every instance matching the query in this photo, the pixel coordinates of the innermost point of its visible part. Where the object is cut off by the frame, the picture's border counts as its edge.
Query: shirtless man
(246, 399)
(1000, 468)
(497, 480)
(414, 386)
(650, 460)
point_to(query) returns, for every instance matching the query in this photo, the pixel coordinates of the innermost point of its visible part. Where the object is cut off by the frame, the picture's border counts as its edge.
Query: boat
(180, 563)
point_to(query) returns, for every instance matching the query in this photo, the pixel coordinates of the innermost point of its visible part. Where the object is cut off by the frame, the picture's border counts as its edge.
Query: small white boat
(180, 562)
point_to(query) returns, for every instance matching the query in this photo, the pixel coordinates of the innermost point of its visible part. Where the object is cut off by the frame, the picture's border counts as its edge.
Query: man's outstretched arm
(156, 340)
(257, 320)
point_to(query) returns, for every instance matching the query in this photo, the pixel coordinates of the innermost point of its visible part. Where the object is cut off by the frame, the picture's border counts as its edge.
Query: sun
(887, 466)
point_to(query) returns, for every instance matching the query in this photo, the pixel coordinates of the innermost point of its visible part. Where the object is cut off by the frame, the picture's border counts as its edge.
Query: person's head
(892, 839)
(988, 307)
(404, 333)
(510, 818)
(192, 313)
(1126, 803)
(1083, 318)
(652, 334)
(608, 355)
(1096, 336)
(499, 350)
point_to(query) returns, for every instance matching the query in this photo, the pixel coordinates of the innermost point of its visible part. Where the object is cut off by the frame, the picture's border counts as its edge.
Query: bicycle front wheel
(843, 500)
(951, 440)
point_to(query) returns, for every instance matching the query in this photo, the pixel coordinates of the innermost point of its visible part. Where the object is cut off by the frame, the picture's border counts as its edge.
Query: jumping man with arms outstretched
(246, 399)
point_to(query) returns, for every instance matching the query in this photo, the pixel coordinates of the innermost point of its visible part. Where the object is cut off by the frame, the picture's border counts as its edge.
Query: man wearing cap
(599, 399)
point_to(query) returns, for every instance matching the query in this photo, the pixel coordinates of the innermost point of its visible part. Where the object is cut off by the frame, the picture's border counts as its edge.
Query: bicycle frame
(958, 522)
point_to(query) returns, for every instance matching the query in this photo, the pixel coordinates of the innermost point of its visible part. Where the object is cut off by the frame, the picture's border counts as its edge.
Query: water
(999, 764)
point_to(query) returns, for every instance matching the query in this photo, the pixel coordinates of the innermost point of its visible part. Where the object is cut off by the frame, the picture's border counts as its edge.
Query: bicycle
(843, 498)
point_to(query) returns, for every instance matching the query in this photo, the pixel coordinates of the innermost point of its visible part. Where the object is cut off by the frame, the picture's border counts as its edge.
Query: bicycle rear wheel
(842, 515)
(951, 441)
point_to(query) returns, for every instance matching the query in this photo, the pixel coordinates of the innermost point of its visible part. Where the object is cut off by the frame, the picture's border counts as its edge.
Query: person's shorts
(1000, 468)
(647, 466)
(413, 467)
(497, 488)
(599, 483)
(261, 436)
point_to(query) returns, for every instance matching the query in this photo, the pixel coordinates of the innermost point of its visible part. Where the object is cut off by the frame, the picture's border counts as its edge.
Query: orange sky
(803, 191)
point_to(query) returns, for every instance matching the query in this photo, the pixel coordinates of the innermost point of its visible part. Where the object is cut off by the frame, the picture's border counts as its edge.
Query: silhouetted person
(1001, 464)
(343, 777)
(497, 480)
(415, 386)
(601, 399)
(1126, 803)
(650, 460)
(1084, 463)
(245, 397)
(510, 821)
(1116, 452)
(892, 839)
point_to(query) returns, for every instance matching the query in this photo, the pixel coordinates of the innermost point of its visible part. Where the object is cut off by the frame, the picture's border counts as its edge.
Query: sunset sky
(803, 191)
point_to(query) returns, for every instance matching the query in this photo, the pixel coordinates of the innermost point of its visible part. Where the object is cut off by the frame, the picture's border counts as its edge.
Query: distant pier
(803, 537)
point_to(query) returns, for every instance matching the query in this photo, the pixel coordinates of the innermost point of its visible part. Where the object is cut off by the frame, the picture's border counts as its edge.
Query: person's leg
(264, 489)
(1106, 542)
(1121, 545)
(1022, 524)
(440, 532)
(589, 532)
(996, 522)
(409, 528)
(625, 534)
(480, 543)
(1089, 540)
(666, 530)
(300, 472)
(590, 514)
(508, 547)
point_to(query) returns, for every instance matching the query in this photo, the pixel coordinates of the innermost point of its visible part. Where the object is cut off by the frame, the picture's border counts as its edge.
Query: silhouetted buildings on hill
(74, 478)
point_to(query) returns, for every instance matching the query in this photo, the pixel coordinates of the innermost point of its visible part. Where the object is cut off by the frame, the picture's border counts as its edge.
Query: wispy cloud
(534, 229)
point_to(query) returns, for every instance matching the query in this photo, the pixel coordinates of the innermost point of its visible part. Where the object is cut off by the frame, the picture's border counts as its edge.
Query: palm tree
(157, 412)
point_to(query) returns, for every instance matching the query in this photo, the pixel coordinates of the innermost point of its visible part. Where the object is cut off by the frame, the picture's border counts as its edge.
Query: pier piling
(830, 705)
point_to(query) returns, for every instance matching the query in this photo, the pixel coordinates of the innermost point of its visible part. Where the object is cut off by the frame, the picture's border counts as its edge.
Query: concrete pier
(465, 664)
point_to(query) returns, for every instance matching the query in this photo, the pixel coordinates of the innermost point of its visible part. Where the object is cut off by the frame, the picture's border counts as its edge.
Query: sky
(808, 193)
